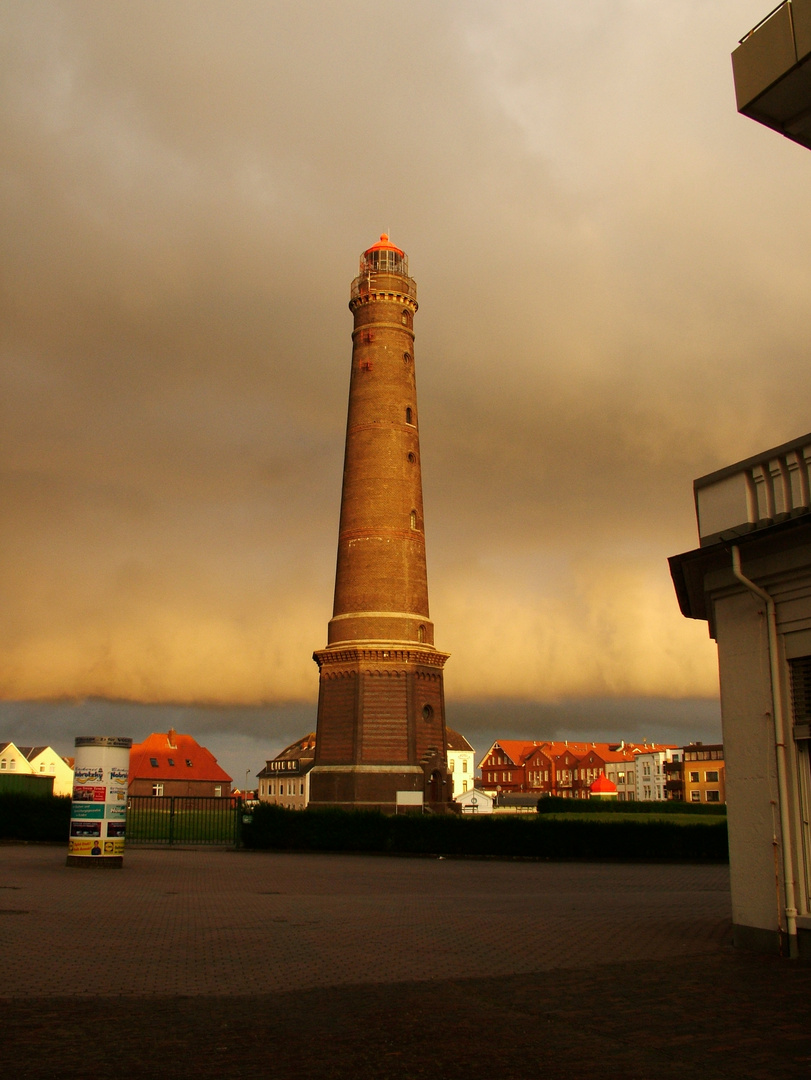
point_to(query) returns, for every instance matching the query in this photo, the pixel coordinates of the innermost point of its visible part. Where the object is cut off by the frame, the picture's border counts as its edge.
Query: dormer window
(153, 761)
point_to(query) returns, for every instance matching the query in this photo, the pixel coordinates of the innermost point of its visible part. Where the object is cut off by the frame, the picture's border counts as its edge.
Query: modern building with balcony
(750, 580)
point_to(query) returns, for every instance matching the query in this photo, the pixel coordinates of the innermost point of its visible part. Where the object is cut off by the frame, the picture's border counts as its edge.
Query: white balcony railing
(755, 493)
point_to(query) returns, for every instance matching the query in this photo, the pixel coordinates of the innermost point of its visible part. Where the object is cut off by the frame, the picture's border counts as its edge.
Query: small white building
(285, 779)
(461, 763)
(475, 801)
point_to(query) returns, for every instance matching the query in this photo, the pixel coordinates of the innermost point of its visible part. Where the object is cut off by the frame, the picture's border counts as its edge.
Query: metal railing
(183, 819)
(383, 281)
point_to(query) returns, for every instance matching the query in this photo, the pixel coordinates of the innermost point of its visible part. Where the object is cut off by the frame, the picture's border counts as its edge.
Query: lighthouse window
(405, 318)
(409, 415)
(413, 519)
(421, 633)
(407, 357)
(427, 712)
(412, 458)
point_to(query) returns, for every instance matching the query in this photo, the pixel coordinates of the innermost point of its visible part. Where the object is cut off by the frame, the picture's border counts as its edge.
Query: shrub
(486, 836)
(555, 804)
(32, 817)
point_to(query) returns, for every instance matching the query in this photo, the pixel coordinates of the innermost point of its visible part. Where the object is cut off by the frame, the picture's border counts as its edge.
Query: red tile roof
(191, 761)
(603, 786)
(518, 750)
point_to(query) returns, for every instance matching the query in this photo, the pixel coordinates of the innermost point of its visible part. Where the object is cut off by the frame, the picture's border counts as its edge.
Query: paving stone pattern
(203, 963)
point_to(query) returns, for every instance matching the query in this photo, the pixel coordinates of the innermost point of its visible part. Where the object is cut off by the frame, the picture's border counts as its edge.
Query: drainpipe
(778, 716)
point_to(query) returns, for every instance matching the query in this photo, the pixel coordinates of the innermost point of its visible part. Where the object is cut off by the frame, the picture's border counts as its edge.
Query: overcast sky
(613, 276)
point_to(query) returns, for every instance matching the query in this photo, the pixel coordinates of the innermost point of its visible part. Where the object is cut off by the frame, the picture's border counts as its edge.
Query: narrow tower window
(413, 519)
(421, 633)
(409, 415)
(405, 318)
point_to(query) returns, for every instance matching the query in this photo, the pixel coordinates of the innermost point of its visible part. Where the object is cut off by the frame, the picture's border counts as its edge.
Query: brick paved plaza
(203, 963)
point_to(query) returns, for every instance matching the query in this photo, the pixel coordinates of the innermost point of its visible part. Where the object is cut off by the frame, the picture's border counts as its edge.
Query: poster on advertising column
(98, 811)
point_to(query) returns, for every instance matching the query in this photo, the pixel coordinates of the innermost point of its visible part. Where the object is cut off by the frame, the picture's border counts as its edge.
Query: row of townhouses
(644, 772)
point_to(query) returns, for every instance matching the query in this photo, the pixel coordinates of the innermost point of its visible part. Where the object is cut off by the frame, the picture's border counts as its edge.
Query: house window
(157, 789)
(711, 777)
(42, 767)
(464, 785)
(153, 761)
(451, 764)
(218, 792)
(188, 762)
(695, 796)
(171, 762)
(801, 689)
(713, 796)
(3, 763)
(464, 765)
(13, 764)
(693, 777)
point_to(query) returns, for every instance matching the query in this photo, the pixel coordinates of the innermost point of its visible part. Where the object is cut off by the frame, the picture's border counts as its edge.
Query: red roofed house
(173, 764)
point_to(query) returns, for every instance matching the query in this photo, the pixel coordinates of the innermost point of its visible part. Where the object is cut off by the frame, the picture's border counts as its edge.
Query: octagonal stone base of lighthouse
(381, 729)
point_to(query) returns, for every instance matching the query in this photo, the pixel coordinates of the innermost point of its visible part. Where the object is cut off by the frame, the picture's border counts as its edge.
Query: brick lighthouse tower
(381, 707)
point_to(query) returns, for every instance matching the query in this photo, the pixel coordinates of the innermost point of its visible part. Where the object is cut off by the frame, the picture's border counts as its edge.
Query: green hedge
(32, 817)
(486, 835)
(554, 804)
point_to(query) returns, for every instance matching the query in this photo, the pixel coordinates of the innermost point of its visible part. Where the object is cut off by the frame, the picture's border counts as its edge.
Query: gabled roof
(457, 741)
(513, 748)
(302, 750)
(31, 752)
(191, 761)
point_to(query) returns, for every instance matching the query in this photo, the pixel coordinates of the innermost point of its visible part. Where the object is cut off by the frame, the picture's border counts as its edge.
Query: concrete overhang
(690, 570)
(772, 71)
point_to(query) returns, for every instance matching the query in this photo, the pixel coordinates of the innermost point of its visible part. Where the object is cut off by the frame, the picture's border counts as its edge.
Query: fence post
(171, 819)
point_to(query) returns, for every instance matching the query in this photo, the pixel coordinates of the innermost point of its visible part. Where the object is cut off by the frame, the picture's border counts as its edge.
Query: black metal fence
(183, 819)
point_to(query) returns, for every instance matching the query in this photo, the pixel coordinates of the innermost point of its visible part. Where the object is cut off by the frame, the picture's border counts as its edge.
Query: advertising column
(98, 813)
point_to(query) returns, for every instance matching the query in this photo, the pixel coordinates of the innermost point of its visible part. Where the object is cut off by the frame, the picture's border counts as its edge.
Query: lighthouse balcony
(383, 281)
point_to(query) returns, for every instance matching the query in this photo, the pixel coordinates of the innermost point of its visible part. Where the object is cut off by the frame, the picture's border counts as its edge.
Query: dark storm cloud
(613, 276)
